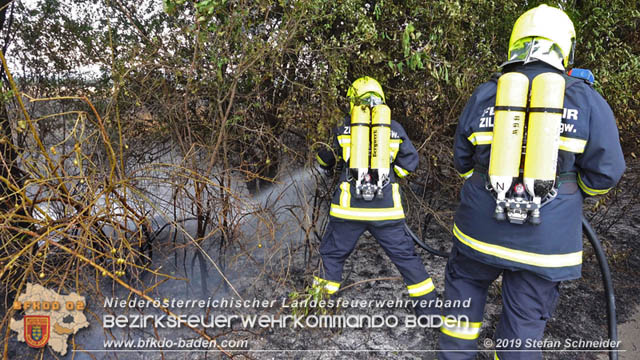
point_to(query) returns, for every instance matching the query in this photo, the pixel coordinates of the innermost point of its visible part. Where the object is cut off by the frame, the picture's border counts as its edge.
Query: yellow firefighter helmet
(543, 33)
(365, 90)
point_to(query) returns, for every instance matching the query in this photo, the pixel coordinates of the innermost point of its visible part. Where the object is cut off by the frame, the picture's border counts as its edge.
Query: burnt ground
(370, 275)
(580, 314)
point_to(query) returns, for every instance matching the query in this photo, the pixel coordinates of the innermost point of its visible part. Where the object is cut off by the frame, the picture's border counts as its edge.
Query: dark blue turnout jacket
(589, 147)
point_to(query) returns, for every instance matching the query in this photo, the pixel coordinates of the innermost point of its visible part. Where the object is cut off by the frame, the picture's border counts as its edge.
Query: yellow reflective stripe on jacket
(366, 214)
(461, 329)
(572, 145)
(394, 147)
(481, 138)
(421, 288)
(344, 139)
(345, 143)
(524, 257)
(589, 190)
(397, 201)
(345, 194)
(400, 171)
(345, 211)
(495, 355)
(467, 174)
(330, 286)
(320, 161)
(566, 143)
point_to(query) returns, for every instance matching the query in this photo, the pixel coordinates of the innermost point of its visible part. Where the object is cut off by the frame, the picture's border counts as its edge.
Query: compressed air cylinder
(380, 136)
(543, 134)
(508, 130)
(380, 139)
(360, 123)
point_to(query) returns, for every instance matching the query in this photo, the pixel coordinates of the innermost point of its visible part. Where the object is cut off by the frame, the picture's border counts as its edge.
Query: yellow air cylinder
(360, 119)
(508, 130)
(380, 136)
(543, 134)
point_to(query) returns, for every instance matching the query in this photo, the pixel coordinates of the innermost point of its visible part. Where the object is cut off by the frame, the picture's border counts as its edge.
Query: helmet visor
(370, 99)
(536, 48)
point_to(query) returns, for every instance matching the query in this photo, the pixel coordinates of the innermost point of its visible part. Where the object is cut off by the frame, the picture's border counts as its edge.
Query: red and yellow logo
(36, 330)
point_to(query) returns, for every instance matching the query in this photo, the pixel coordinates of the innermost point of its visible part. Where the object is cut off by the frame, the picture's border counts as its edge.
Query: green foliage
(609, 45)
(6, 96)
(304, 300)
(272, 75)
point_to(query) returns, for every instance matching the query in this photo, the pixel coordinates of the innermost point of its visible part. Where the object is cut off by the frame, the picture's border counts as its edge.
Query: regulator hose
(604, 270)
(608, 285)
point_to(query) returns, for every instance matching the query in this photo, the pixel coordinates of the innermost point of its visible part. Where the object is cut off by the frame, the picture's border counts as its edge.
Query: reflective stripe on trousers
(340, 239)
(330, 286)
(528, 302)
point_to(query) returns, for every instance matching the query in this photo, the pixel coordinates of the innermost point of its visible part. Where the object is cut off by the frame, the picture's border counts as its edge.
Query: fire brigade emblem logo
(36, 330)
(49, 318)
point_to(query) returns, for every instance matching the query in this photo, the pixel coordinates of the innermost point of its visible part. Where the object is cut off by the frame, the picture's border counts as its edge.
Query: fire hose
(608, 285)
(604, 270)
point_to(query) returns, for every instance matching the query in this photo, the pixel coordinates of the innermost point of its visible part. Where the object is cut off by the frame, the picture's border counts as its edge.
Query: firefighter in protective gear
(532, 256)
(372, 151)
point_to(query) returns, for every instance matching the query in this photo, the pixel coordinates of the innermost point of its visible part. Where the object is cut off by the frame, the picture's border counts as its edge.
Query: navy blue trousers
(341, 237)
(528, 301)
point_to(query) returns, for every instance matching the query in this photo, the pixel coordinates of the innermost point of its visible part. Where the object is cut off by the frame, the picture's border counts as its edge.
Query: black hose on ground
(608, 285)
(423, 245)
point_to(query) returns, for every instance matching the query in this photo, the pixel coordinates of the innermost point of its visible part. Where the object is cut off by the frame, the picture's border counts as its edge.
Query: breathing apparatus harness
(525, 142)
(518, 205)
(522, 182)
(369, 156)
(368, 188)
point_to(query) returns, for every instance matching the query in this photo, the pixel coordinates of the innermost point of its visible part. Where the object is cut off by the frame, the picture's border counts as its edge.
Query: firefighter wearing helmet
(371, 152)
(531, 143)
